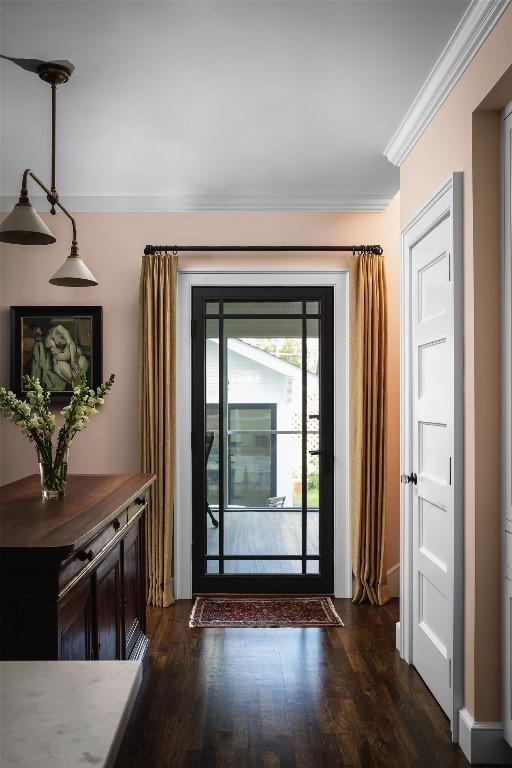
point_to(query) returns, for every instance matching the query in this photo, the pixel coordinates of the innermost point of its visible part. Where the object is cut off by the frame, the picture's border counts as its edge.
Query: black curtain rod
(376, 250)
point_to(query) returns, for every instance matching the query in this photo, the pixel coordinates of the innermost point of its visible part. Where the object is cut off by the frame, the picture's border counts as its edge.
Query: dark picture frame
(57, 344)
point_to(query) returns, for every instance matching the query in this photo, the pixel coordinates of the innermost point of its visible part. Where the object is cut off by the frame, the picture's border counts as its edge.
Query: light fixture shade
(74, 273)
(24, 226)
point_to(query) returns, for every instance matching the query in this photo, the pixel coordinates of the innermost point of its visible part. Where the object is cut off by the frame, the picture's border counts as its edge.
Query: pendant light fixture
(24, 226)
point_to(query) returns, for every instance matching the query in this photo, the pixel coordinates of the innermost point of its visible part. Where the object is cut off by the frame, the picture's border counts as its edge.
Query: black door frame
(303, 583)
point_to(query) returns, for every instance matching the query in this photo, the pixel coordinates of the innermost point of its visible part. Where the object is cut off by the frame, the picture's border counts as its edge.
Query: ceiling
(236, 105)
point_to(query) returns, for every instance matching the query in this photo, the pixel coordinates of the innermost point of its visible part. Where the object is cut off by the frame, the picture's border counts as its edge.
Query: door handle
(406, 479)
(327, 462)
(321, 453)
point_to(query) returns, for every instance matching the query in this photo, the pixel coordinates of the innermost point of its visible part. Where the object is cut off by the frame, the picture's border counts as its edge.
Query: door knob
(406, 479)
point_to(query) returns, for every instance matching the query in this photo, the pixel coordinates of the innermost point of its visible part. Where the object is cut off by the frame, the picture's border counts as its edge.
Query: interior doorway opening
(337, 281)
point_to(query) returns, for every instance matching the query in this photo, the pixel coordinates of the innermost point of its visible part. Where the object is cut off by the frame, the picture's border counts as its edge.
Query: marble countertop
(62, 714)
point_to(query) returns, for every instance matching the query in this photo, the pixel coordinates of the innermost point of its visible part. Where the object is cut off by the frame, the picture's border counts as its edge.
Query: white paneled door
(432, 532)
(507, 425)
(432, 510)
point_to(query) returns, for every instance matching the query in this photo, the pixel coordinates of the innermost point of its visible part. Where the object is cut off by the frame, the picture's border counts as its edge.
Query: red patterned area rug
(264, 612)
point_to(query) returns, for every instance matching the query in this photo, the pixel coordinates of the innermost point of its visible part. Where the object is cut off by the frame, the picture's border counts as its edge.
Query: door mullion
(222, 432)
(304, 437)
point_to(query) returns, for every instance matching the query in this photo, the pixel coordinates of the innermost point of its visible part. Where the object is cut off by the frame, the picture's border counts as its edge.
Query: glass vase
(53, 475)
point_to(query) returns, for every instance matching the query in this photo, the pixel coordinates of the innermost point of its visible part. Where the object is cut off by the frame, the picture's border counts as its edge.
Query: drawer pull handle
(140, 500)
(117, 525)
(83, 555)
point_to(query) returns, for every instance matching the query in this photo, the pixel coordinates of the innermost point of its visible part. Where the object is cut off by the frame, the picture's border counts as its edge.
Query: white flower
(37, 422)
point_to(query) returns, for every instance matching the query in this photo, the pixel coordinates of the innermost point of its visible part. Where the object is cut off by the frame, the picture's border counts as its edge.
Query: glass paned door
(262, 439)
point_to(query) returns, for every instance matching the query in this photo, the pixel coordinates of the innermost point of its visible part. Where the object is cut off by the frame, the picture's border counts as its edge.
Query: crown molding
(469, 35)
(196, 203)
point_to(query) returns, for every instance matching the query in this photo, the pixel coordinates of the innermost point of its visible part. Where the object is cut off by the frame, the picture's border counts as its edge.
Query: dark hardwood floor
(284, 698)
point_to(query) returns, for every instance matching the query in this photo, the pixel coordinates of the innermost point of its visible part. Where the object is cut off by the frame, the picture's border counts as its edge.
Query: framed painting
(58, 345)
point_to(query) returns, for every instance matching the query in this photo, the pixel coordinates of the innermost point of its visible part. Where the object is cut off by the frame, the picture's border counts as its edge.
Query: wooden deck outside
(263, 532)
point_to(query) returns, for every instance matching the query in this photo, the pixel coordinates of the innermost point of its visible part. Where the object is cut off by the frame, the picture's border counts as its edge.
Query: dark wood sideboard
(72, 571)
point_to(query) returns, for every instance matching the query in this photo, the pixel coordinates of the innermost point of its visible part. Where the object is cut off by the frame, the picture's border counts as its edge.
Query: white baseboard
(393, 575)
(397, 636)
(483, 743)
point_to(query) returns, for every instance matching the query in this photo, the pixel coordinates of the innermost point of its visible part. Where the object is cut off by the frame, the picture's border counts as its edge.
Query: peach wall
(112, 245)
(461, 139)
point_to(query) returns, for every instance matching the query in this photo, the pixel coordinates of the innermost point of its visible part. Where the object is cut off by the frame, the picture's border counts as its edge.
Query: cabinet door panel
(75, 624)
(133, 603)
(108, 606)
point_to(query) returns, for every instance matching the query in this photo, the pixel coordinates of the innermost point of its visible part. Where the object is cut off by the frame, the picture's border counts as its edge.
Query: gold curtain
(368, 389)
(157, 366)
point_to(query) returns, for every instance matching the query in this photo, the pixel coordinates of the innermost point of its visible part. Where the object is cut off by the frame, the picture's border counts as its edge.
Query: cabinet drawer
(136, 506)
(77, 562)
